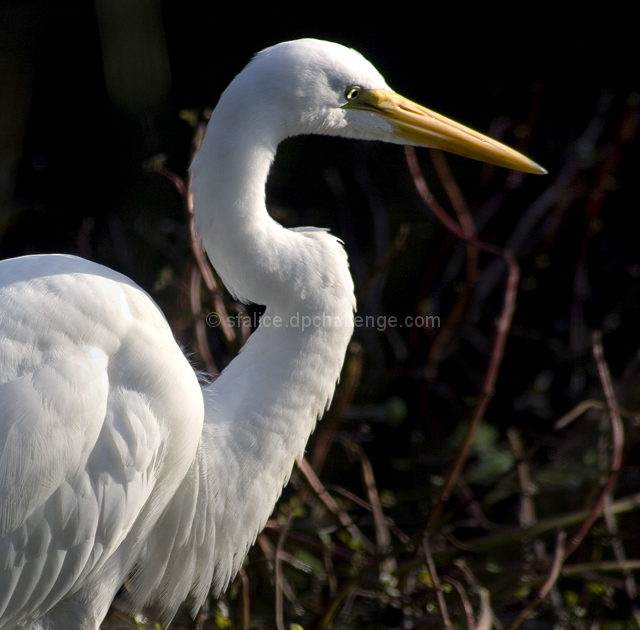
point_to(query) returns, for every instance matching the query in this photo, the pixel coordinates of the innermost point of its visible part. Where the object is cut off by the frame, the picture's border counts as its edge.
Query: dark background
(90, 93)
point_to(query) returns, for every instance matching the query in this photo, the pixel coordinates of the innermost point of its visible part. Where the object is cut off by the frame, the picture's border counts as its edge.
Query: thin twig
(455, 315)
(199, 322)
(527, 505)
(504, 324)
(485, 618)
(279, 578)
(552, 578)
(618, 549)
(497, 354)
(383, 537)
(604, 565)
(206, 273)
(617, 443)
(436, 582)
(329, 502)
(393, 528)
(493, 541)
(443, 217)
(246, 604)
(332, 579)
(269, 551)
(466, 603)
(577, 411)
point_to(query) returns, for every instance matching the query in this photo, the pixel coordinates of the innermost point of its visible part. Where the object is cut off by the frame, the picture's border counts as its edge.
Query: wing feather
(98, 426)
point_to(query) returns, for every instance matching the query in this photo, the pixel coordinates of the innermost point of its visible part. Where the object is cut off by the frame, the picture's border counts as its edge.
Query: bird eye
(352, 92)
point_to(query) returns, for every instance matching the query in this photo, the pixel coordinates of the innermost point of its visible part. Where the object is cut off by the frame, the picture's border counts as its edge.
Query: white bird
(114, 462)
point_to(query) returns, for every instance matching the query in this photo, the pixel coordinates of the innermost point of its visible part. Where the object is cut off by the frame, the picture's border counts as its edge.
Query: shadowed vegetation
(479, 465)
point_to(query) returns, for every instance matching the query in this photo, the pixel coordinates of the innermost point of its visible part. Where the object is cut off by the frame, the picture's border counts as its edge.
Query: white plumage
(113, 460)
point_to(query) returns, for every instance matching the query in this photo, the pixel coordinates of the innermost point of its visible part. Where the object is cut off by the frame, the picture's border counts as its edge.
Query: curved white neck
(260, 411)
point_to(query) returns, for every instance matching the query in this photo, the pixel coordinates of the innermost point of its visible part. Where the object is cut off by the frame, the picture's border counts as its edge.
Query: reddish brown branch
(504, 325)
(554, 573)
(453, 319)
(617, 443)
(497, 354)
(383, 537)
(436, 582)
(279, 578)
(246, 605)
(329, 502)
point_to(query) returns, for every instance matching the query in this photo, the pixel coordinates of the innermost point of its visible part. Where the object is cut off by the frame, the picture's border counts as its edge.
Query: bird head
(310, 86)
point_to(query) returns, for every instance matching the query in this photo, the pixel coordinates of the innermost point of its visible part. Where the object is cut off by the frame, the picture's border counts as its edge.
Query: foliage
(476, 471)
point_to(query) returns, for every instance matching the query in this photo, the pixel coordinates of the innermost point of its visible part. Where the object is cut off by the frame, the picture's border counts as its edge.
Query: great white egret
(114, 462)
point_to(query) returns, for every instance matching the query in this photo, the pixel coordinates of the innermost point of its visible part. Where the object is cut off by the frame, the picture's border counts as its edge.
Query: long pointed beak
(420, 126)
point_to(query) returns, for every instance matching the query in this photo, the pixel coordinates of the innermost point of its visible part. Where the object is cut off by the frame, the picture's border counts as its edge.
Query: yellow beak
(419, 125)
